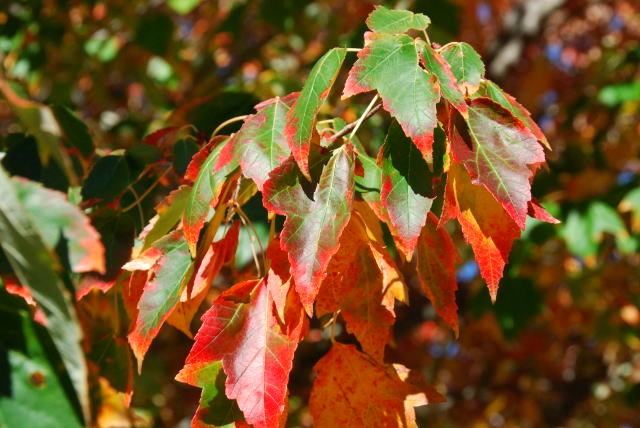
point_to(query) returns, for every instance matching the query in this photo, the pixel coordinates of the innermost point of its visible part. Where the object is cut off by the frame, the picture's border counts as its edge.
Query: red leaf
(485, 224)
(538, 212)
(435, 264)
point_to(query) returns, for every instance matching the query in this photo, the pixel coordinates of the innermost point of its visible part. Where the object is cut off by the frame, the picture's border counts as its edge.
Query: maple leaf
(168, 213)
(384, 20)
(54, 216)
(491, 90)
(436, 256)
(538, 212)
(354, 285)
(486, 226)
(242, 330)
(301, 118)
(466, 65)
(389, 64)
(352, 390)
(207, 185)
(218, 253)
(172, 271)
(498, 151)
(260, 144)
(405, 189)
(313, 227)
(436, 64)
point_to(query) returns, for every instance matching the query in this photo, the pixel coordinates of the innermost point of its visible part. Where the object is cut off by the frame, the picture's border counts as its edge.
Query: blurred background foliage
(561, 347)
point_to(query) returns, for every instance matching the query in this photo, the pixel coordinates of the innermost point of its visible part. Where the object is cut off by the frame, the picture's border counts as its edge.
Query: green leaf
(384, 20)
(604, 219)
(313, 227)
(35, 268)
(74, 129)
(498, 151)
(168, 213)
(493, 91)
(436, 64)
(36, 396)
(466, 65)
(614, 95)
(631, 203)
(54, 216)
(183, 6)
(108, 178)
(211, 176)
(260, 145)
(160, 295)
(389, 65)
(405, 189)
(577, 234)
(301, 118)
(214, 408)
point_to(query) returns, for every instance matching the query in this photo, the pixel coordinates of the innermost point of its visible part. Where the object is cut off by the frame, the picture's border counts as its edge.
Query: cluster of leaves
(458, 147)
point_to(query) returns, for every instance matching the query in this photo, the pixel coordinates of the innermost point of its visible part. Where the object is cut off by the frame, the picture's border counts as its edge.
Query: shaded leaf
(108, 178)
(389, 64)
(74, 129)
(301, 118)
(436, 257)
(405, 191)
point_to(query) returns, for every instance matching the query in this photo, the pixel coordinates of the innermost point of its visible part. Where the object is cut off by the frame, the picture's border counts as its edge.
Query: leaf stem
(228, 122)
(344, 131)
(363, 117)
(146, 192)
(353, 49)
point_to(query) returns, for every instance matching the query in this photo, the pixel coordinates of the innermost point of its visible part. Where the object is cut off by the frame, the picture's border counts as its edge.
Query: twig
(361, 119)
(344, 131)
(228, 122)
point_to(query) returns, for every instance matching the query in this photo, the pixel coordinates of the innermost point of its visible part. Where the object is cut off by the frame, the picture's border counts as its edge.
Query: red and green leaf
(436, 64)
(207, 186)
(498, 151)
(436, 257)
(168, 213)
(390, 65)
(466, 65)
(260, 145)
(161, 293)
(491, 90)
(313, 227)
(54, 216)
(301, 118)
(405, 189)
(384, 20)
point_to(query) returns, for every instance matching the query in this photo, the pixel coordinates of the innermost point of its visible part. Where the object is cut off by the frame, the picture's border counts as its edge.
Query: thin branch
(228, 122)
(344, 131)
(353, 49)
(361, 119)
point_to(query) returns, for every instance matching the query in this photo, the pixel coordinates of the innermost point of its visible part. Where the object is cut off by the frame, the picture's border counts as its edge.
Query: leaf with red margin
(354, 285)
(390, 65)
(260, 144)
(436, 64)
(168, 213)
(351, 390)
(406, 187)
(313, 227)
(219, 253)
(212, 174)
(257, 351)
(466, 65)
(214, 408)
(161, 293)
(385, 20)
(301, 118)
(279, 281)
(491, 90)
(537, 211)
(436, 257)
(498, 151)
(485, 224)
(54, 215)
